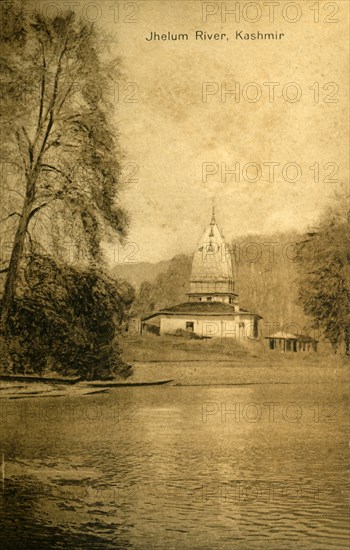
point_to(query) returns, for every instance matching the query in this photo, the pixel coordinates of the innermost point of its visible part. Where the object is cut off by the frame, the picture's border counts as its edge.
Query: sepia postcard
(174, 275)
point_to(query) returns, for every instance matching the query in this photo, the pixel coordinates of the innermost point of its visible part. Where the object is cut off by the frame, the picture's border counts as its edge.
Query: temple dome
(212, 259)
(212, 274)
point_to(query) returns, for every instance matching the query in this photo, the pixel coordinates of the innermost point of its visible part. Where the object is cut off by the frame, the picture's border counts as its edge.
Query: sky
(179, 131)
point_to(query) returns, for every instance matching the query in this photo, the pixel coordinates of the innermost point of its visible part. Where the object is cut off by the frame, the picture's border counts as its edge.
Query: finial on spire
(213, 221)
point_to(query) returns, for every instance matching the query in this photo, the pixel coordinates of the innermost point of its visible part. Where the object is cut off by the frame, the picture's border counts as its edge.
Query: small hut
(284, 341)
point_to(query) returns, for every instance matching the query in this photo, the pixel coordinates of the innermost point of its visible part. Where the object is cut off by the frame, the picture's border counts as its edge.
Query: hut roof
(283, 335)
(291, 336)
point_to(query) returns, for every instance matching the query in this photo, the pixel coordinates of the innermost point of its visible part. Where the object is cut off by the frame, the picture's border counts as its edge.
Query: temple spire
(212, 274)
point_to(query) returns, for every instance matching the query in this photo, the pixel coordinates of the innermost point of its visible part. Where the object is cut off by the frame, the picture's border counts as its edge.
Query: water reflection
(178, 467)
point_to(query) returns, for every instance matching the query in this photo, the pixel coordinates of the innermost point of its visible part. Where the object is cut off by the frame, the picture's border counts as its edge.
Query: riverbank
(211, 373)
(217, 362)
(12, 389)
(28, 389)
(182, 362)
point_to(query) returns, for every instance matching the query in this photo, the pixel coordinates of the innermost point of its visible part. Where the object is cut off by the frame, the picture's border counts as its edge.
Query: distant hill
(168, 288)
(265, 278)
(139, 273)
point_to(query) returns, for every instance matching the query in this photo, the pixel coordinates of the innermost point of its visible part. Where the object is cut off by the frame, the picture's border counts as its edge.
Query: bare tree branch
(38, 208)
(21, 152)
(9, 216)
(49, 115)
(42, 91)
(61, 144)
(51, 168)
(30, 146)
(64, 97)
(35, 210)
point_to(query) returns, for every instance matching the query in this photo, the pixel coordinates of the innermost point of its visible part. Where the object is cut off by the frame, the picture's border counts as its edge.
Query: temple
(212, 274)
(212, 309)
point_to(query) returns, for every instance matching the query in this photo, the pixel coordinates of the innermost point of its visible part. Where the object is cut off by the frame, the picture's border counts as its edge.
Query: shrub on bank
(66, 321)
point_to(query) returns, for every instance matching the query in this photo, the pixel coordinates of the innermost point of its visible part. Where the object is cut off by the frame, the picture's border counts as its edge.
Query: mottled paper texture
(175, 275)
(290, 106)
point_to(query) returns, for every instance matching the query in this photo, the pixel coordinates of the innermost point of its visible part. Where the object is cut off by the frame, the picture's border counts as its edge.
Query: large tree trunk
(14, 265)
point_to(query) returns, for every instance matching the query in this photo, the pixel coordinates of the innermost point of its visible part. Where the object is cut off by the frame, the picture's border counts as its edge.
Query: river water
(171, 467)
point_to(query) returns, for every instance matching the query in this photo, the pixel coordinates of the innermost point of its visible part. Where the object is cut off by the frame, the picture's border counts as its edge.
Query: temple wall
(210, 326)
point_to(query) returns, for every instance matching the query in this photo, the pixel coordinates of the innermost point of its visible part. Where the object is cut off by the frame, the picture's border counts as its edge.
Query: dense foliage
(66, 320)
(265, 269)
(324, 280)
(168, 289)
(57, 142)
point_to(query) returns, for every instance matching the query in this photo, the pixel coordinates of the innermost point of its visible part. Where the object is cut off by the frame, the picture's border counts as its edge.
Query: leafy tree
(266, 271)
(324, 277)
(145, 303)
(66, 320)
(55, 126)
(168, 288)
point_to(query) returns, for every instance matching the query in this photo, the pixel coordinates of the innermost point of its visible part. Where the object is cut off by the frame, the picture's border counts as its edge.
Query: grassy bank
(211, 362)
(199, 362)
(155, 348)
